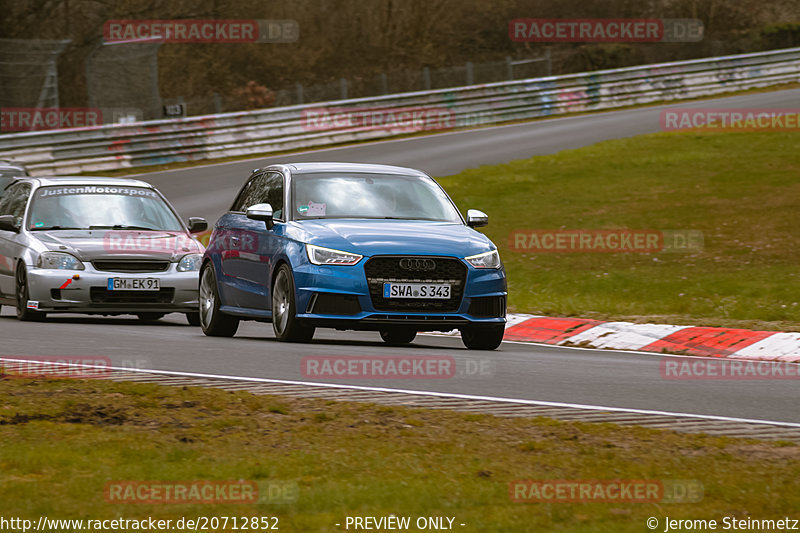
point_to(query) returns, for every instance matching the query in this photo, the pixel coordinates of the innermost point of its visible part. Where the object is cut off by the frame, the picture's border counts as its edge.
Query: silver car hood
(88, 245)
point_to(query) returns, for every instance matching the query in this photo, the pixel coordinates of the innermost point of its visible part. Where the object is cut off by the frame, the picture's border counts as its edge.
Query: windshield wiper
(45, 228)
(123, 226)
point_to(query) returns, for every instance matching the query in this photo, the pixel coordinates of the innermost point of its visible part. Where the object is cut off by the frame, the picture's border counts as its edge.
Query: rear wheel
(483, 337)
(284, 311)
(193, 319)
(214, 322)
(23, 313)
(398, 336)
(150, 317)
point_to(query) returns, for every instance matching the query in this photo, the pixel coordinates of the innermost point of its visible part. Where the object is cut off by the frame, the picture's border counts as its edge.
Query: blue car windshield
(361, 195)
(100, 207)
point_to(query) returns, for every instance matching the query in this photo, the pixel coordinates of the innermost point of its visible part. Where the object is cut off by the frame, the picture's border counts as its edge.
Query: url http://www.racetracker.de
(199, 523)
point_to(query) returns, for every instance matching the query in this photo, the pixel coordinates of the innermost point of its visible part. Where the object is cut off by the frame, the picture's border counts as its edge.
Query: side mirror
(261, 212)
(197, 224)
(476, 219)
(9, 223)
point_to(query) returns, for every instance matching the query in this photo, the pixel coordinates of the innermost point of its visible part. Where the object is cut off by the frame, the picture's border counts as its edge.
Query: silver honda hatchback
(96, 245)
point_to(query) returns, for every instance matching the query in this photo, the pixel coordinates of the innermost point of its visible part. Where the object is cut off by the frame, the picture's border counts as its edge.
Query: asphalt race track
(208, 191)
(593, 377)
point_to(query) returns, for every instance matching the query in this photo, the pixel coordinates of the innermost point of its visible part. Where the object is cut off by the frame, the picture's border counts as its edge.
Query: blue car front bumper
(349, 297)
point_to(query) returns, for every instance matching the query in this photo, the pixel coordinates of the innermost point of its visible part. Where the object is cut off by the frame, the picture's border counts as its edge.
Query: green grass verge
(742, 190)
(62, 441)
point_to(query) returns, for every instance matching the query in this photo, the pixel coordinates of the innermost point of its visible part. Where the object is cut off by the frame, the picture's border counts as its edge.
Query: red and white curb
(659, 338)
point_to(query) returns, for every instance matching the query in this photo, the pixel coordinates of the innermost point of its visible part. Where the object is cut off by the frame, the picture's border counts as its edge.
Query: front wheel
(398, 336)
(483, 337)
(23, 313)
(284, 311)
(214, 322)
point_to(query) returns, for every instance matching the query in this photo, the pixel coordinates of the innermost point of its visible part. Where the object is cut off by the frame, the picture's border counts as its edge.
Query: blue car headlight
(327, 256)
(190, 263)
(485, 260)
(59, 261)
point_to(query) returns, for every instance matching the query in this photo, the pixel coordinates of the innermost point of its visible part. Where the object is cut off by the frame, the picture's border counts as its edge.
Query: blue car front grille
(420, 269)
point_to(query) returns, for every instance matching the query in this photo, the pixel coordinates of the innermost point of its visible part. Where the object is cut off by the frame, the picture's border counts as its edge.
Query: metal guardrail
(286, 128)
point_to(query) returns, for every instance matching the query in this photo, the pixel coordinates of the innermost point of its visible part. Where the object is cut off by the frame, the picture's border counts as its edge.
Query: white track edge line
(637, 352)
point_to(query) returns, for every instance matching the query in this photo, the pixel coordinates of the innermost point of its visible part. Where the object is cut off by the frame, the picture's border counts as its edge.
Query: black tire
(150, 317)
(284, 311)
(193, 319)
(482, 337)
(23, 313)
(398, 336)
(214, 322)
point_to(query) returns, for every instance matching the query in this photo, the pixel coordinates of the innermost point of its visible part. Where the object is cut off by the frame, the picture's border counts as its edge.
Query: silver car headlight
(485, 260)
(190, 263)
(327, 256)
(59, 261)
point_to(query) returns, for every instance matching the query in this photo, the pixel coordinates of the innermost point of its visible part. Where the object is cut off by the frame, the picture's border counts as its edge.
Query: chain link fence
(122, 81)
(396, 82)
(123, 86)
(29, 73)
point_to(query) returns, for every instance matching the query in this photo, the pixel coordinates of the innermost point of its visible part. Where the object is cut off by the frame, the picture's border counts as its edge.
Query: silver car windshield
(375, 196)
(100, 207)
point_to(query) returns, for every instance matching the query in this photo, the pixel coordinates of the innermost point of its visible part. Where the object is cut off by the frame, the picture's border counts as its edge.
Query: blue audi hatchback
(352, 247)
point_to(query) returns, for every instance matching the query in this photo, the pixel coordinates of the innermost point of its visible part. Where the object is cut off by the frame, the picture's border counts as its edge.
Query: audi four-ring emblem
(417, 264)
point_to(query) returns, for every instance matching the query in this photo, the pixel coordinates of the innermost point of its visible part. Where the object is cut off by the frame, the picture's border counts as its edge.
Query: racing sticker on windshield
(316, 210)
(91, 189)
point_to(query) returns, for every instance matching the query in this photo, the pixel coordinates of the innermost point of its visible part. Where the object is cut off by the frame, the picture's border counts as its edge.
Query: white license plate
(133, 284)
(434, 291)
